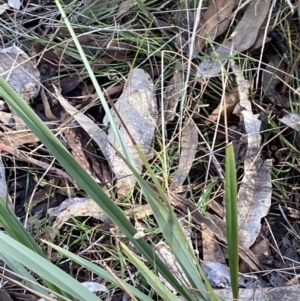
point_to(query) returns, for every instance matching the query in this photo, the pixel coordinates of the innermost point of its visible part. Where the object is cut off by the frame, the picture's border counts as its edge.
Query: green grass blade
(82, 177)
(43, 268)
(175, 236)
(232, 218)
(99, 271)
(15, 229)
(151, 278)
(19, 269)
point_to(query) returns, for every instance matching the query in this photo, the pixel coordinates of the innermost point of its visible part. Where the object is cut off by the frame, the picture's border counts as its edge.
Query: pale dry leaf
(189, 142)
(286, 293)
(219, 276)
(17, 68)
(126, 5)
(17, 138)
(3, 7)
(71, 208)
(214, 22)
(292, 120)
(137, 107)
(256, 189)
(243, 37)
(164, 253)
(16, 4)
(85, 122)
(94, 286)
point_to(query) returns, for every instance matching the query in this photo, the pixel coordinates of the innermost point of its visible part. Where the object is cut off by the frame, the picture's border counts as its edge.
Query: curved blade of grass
(232, 218)
(16, 230)
(99, 271)
(175, 236)
(19, 269)
(151, 278)
(44, 268)
(83, 179)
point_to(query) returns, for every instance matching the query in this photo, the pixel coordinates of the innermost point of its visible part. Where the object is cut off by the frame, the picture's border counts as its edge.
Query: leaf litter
(242, 38)
(214, 21)
(254, 196)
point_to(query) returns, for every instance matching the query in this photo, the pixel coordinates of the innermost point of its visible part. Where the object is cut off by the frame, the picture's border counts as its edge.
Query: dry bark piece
(256, 189)
(17, 69)
(189, 142)
(137, 107)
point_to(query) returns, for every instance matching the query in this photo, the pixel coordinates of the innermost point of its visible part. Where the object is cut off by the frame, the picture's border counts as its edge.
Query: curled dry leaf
(256, 189)
(214, 22)
(243, 37)
(137, 107)
(17, 69)
(189, 142)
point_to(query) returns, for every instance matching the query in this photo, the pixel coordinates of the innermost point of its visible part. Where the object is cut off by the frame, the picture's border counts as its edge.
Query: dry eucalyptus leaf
(17, 69)
(189, 142)
(286, 293)
(214, 22)
(219, 276)
(76, 207)
(126, 5)
(85, 122)
(137, 107)
(256, 189)
(172, 93)
(292, 120)
(243, 37)
(17, 138)
(164, 253)
(211, 248)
